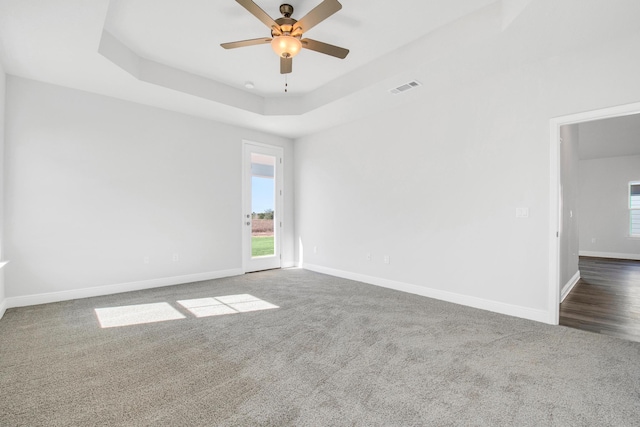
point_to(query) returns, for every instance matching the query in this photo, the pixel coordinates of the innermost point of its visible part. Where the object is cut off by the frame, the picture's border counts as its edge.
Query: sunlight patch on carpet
(228, 304)
(111, 317)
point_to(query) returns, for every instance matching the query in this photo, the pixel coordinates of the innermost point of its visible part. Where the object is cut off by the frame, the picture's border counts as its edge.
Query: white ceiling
(614, 137)
(167, 54)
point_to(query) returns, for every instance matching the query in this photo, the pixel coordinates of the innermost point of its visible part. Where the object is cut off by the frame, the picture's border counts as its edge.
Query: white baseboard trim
(566, 289)
(635, 257)
(26, 300)
(3, 301)
(494, 306)
(3, 307)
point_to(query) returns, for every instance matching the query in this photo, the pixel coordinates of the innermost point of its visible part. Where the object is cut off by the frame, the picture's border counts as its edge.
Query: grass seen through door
(262, 245)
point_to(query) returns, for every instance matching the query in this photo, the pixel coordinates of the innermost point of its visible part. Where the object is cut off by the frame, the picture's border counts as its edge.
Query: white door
(262, 216)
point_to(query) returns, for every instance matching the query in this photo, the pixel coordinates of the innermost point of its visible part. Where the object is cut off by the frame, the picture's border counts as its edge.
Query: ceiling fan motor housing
(286, 28)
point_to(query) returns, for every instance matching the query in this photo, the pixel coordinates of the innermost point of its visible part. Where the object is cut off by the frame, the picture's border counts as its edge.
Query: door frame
(555, 213)
(249, 265)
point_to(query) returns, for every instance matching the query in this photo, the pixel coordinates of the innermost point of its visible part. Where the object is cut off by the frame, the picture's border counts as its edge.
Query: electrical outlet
(175, 257)
(315, 249)
(386, 259)
(145, 260)
(368, 257)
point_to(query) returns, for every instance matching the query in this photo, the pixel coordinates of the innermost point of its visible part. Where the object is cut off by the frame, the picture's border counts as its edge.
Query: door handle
(248, 222)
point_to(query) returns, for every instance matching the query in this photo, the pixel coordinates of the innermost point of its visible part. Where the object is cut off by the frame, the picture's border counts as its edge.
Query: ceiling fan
(286, 32)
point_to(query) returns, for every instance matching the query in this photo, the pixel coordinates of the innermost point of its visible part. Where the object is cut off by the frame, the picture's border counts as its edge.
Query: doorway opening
(262, 216)
(569, 244)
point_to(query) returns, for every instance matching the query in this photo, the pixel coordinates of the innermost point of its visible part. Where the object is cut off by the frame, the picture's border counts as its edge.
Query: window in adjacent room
(634, 208)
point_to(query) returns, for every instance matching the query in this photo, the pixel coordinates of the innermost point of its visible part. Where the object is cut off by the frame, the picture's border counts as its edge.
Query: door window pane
(262, 204)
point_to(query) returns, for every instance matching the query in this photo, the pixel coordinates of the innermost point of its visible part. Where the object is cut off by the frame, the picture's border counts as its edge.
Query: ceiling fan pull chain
(285, 84)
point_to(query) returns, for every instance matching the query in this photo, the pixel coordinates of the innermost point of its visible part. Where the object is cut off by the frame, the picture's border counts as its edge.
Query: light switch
(522, 212)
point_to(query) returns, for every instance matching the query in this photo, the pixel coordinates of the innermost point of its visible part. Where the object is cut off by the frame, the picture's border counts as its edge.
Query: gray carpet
(335, 353)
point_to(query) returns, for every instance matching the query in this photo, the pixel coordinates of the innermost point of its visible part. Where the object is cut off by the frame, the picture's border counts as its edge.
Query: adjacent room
(321, 212)
(601, 218)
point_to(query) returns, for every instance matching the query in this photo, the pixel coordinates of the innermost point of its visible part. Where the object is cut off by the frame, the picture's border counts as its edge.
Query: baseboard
(483, 304)
(3, 301)
(566, 289)
(635, 257)
(49, 297)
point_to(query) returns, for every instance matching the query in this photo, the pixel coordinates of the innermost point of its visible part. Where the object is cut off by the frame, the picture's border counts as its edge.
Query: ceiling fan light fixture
(286, 46)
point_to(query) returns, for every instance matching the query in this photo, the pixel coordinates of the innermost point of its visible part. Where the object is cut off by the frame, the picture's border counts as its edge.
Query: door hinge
(280, 223)
(557, 234)
(280, 160)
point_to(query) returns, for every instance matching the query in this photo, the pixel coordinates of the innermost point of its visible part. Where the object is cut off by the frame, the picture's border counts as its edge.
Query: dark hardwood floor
(606, 300)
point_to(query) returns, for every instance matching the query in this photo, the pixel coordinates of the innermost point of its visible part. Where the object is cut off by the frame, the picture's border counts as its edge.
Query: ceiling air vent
(405, 87)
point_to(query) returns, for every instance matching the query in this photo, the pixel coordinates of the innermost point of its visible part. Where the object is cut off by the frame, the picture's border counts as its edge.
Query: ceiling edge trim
(175, 79)
(171, 78)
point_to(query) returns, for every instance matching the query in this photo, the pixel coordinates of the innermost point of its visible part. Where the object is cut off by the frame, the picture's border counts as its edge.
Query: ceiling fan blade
(255, 10)
(243, 43)
(327, 49)
(286, 65)
(318, 14)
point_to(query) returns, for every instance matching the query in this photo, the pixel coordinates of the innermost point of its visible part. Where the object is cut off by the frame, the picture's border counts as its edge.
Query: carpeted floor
(335, 352)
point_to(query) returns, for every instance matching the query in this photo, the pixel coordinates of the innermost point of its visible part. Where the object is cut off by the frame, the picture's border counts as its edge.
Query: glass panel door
(262, 219)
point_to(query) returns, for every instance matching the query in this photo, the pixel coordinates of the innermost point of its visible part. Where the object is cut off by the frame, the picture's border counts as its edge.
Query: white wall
(569, 190)
(604, 207)
(435, 184)
(2, 170)
(95, 184)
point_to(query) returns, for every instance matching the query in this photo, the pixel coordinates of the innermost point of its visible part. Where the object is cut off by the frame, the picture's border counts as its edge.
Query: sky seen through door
(262, 194)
